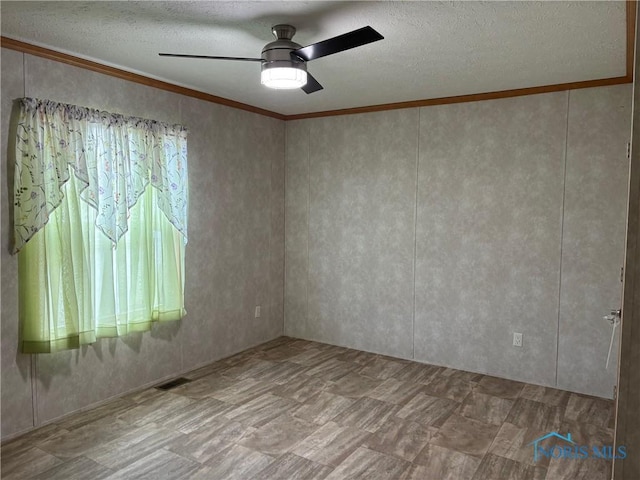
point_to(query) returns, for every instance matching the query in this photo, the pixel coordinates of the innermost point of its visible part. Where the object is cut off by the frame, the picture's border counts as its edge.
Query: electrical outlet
(257, 314)
(517, 339)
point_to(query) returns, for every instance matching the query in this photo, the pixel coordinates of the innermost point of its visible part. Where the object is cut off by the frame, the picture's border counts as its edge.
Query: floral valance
(116, 157)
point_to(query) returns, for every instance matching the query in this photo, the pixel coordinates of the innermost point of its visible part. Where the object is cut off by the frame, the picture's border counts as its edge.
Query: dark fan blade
(242, 59)
(357, 38)
(312, 84)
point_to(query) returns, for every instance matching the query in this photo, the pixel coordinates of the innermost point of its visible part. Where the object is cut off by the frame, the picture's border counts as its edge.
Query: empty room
(320, 240)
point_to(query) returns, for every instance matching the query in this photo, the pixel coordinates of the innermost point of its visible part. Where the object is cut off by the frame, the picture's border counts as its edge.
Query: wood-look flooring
(294, 409)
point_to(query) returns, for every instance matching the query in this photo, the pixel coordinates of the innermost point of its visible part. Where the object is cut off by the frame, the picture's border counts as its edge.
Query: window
(100, 224)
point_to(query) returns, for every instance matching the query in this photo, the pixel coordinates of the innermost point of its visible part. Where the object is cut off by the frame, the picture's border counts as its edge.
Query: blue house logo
(537, 448)
(571, 450)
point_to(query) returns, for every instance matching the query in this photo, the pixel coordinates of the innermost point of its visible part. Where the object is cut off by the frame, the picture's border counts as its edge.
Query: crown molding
(24, 47)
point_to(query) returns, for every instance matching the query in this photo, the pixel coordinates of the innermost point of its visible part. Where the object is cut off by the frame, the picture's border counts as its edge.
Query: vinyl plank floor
(366, 413)
(205, 443)
(529, 413)
(279, 435)
(493, 466)
(401, 438)
(428, 410)
(370, 465)
(550, 396)
(237, 463)
(395, 391)
(261, 410)
(290, 466)
(77, 442)
(382, 368)
(444, 464)
(195, 416)
(596, 411)
(500, 387)
(159, 465)
(242, 391)
(331, 369)
(78, 468)
(486, 408)
(450, 387)
(203, 387)
(514, 443)
(27, 463)
(133, 446)
(323, 407)
(302, 410)
(301, 388)
(353, 385)
(331, 444)
(155, 408)
(110, 409)
(466, 435)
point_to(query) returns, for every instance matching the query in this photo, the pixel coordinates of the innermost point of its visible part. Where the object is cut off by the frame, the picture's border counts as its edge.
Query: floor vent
(173, 383)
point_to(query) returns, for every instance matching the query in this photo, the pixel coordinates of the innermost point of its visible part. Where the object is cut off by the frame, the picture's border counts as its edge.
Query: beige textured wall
(296, 228)
(235, 255)
(489, 229)
(355, 244)
(512, 221)
(597, 175)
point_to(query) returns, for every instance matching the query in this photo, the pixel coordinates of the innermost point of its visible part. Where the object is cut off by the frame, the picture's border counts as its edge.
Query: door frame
(627, 427)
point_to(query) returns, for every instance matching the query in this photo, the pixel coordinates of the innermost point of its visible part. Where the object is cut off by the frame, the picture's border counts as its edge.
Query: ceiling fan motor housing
(278, 53)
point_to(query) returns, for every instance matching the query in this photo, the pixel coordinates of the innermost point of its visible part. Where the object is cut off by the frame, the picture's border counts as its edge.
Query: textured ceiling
(431, 49)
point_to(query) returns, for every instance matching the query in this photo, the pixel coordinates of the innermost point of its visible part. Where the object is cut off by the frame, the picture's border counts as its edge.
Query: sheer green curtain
(100, 224)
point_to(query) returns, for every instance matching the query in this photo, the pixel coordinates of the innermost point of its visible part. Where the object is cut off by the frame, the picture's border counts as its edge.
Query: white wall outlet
(257, 314)
(517, 339)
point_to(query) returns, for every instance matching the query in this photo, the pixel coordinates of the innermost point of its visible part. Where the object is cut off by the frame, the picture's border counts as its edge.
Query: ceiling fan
(284, 62)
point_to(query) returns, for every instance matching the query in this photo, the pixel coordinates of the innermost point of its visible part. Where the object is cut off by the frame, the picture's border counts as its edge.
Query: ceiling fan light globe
(283, 78)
